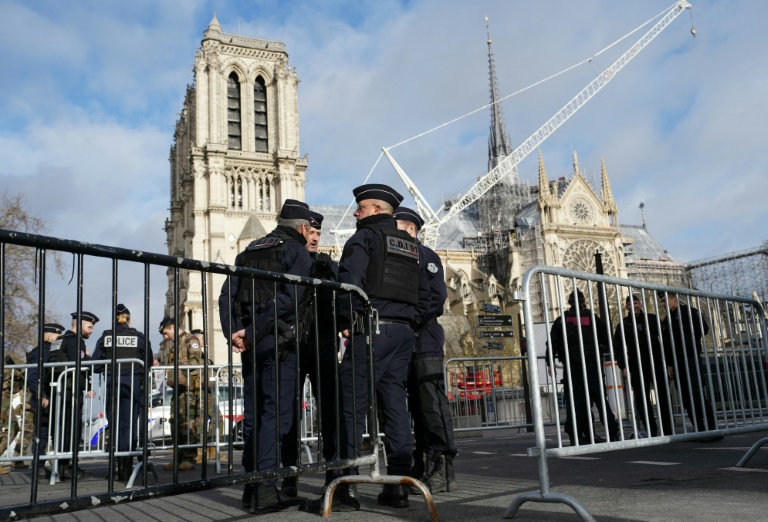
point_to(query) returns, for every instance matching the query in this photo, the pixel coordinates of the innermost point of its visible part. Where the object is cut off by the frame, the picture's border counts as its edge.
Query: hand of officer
(44, 402)
(90, 394)
(155, 363)
(238, 342)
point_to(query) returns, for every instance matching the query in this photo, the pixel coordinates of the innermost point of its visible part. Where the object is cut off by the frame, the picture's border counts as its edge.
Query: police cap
(294, 209)
(196, 331)
(315, 219)
(406, 214)
(165, 323)
(53, 328)
(87, 316)
(377, 191)
(122, 309)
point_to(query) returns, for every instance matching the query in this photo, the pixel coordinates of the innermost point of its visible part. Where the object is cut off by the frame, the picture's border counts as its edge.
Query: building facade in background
(235, 159)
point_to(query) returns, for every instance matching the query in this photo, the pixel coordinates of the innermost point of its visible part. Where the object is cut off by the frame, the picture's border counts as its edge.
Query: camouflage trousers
(191, 419)
(14, 421)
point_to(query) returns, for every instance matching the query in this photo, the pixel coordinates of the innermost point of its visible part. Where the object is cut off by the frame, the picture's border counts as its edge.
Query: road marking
(754, 470)
(483, 453)
(518, 454)
(654, 463)
(581, 458)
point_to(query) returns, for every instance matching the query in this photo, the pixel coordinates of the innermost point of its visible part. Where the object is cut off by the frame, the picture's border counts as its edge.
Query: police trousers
(430, 411)
(393, 348)
(274, 387)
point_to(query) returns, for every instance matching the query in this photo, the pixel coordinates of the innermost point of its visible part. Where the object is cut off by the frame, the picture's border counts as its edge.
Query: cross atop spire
(498, 141)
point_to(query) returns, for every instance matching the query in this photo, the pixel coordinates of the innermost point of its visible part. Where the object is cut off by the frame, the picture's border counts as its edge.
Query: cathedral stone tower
(234, 161)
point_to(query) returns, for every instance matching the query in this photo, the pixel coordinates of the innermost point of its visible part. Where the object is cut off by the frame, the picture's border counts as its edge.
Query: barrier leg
(554, 498)
(751, 453)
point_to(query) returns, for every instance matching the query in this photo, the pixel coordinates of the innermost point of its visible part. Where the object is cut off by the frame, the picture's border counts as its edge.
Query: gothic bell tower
(234, 160)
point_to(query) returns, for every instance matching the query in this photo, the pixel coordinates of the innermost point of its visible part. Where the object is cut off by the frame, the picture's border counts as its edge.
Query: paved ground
(679, 481)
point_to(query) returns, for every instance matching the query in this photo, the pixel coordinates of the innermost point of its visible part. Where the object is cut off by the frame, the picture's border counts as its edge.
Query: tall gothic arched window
(234, 131)
(260, 114)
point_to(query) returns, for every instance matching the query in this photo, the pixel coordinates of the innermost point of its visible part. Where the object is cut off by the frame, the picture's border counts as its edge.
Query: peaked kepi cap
(406, 214)
(53, 328)
(294, 209)
(87, 316)
(122, 309)
(315, 219)
(377, 191)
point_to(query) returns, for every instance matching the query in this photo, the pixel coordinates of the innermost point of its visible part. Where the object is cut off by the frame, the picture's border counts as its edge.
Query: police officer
(427, 400)
(41, 388)
(67, 349)
(322, 375)
(384, 262)
(683, 330)
(644, 360)
(579, 317)
(187, 396)
(251, 332)
(124, 421)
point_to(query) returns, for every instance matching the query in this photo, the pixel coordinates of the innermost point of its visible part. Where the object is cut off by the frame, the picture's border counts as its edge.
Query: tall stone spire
(605, 192)
(498, 140)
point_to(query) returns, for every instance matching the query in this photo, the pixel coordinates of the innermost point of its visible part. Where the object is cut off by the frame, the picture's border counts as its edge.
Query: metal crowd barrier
(488, 393)
(85, 494)
(720, 389)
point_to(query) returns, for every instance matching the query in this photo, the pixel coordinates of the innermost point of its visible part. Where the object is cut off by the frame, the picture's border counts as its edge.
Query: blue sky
(91, 91)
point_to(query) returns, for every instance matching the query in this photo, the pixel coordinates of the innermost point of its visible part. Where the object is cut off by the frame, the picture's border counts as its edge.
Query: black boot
(450, 475)
(417, 471)
(126, 469)
(435, 480)
(245, 502)
(265, 499)
(344, 499)
(290, 487)
(393, 495)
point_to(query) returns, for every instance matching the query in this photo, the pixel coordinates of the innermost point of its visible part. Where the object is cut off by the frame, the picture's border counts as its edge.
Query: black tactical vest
(393, 275)
(127, 345)
(56, 353)
(265, 254)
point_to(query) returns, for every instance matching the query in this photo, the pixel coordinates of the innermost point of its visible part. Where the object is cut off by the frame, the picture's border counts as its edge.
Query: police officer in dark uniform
(67, 349)
(251, 333)
(427, 400)
(683, 331)
(129, 344)
(384, 262)
(579, 317)
(321, 365)
(644, 360)
(51, 332)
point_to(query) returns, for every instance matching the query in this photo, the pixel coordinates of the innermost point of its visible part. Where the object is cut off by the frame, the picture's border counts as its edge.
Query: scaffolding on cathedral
(743, 273)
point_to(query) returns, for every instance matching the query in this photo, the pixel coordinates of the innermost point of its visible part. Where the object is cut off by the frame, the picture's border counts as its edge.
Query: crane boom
(508, 164)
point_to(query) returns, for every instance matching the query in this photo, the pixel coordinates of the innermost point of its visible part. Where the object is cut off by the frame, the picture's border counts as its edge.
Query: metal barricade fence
(697, 353)
(85, 494)
(493, 392)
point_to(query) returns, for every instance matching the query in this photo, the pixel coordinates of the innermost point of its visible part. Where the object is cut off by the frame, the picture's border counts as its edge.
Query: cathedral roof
(644, 245)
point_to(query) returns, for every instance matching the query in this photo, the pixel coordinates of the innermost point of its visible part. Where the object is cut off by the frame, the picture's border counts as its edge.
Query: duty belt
(389, 321)
(429, 323)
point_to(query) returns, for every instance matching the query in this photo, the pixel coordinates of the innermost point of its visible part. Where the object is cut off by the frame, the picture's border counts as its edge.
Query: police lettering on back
(122, 342)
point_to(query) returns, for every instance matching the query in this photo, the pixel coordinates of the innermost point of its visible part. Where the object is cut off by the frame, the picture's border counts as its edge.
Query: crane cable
(588, 60)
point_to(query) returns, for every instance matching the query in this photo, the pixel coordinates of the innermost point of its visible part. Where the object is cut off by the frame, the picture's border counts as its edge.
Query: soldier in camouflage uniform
(187, 396)
(14, 419)
(212, 405)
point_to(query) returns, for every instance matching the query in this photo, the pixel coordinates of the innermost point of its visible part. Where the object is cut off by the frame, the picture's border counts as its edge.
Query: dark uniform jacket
(131, 345)
(32, 375)
(644, 329)
(296, 261)
(359, 250)
(67, 349)
(572, 327)
(431, 301)
(680, 331)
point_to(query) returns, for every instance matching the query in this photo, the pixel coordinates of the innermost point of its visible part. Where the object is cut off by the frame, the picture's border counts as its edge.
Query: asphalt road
(679, 481)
